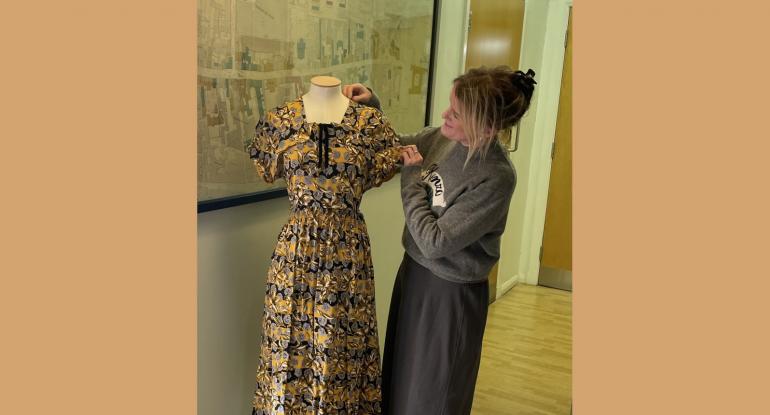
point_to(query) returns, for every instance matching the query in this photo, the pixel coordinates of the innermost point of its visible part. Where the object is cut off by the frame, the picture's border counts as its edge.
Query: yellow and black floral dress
(320, 349)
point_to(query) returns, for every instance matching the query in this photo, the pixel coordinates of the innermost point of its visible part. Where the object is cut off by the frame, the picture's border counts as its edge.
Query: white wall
(384, 216)
(533, 35)
(450, 58)
(545, 22)
(234, 247)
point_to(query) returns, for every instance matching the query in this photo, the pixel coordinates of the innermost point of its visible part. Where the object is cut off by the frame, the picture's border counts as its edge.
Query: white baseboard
(507, 286)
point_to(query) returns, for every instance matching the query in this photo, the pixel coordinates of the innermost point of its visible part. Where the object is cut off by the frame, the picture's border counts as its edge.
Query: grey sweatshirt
(454, 215)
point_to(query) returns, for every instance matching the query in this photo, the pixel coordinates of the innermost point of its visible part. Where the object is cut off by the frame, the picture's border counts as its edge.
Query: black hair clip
(526, 81)
(529, 76)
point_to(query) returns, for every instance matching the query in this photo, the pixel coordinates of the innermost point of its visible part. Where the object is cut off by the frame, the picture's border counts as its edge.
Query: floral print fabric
(320, 348)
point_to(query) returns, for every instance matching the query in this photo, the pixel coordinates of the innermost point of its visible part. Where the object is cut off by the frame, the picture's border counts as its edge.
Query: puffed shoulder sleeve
(263, 148)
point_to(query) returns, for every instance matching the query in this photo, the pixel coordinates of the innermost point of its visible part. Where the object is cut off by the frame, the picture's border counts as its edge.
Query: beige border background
(670, 206)
(97, 303)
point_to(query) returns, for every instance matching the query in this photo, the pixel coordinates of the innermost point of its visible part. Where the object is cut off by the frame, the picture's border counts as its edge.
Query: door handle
(516, 142)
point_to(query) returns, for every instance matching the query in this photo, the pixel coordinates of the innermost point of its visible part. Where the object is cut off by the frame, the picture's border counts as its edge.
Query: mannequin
(319, 350)
(324, 102)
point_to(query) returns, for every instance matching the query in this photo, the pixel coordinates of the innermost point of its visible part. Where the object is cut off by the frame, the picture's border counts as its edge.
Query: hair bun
(525, 81)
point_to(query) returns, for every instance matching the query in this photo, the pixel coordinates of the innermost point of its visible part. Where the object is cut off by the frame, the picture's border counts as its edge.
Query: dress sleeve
(384, 153)
(263, 148)
(405, 139)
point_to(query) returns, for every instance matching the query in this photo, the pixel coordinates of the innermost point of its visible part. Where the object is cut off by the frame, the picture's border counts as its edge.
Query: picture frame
(253, 56)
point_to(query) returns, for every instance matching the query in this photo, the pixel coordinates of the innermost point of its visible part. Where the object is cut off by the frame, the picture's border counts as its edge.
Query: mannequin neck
(325, 93)
(325, 103)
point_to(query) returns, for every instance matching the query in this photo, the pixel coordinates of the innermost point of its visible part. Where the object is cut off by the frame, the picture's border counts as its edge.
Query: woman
(456, 185)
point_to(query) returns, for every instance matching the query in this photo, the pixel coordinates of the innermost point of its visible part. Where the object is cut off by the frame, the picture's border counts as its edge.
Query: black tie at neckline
(323, 144)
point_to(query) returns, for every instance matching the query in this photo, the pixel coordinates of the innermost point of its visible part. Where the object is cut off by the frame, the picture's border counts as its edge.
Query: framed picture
(254, 55)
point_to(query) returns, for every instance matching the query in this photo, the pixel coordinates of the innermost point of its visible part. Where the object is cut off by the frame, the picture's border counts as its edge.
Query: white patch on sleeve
(436, 184)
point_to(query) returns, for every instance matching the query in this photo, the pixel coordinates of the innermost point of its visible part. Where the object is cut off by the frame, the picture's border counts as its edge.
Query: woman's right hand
(357, 92)
(410, 156)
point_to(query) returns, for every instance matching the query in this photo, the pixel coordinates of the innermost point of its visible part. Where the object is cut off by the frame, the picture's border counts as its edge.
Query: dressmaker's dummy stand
(324, 102)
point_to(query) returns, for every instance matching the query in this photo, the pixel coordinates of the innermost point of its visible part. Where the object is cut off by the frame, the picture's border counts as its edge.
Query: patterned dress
(320, 348)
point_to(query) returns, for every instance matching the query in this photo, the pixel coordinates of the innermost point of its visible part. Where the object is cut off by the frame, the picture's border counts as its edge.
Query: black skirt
(433, 343)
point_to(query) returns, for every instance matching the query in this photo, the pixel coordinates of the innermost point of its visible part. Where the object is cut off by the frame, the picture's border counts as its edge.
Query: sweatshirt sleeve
(471, 216)
(374, 101)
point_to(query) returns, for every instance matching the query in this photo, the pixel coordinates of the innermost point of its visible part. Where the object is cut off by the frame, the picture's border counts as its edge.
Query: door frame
(546, 109)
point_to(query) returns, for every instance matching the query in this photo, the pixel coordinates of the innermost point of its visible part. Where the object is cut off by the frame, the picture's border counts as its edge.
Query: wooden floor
(526, 361)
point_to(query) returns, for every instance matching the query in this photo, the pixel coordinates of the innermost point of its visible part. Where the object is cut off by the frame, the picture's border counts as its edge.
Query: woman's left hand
(357, 92)
(410, 156)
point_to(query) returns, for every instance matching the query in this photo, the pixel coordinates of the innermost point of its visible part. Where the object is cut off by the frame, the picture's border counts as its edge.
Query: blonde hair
(490, 101)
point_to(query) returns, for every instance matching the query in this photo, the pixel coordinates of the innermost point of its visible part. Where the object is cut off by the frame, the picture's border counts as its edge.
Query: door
(556, 260)
(494, 38)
